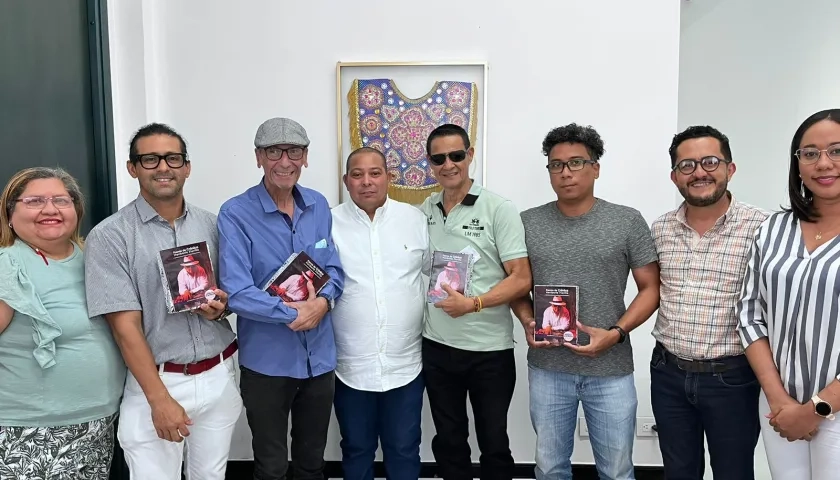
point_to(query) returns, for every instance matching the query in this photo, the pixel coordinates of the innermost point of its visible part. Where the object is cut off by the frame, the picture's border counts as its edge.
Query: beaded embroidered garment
(383, 118)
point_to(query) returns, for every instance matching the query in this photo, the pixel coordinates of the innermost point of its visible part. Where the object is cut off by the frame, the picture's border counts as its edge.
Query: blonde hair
(17, 184)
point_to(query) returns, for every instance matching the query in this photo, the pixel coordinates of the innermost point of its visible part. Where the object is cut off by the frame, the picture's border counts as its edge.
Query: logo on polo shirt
(473, 229)
(431, 220)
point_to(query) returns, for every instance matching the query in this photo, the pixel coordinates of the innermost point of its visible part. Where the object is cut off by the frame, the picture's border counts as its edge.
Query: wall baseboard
(244, 470)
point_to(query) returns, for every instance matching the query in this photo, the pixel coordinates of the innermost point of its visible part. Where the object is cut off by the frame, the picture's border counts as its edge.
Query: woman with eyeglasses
(789, 310)
(61, 374)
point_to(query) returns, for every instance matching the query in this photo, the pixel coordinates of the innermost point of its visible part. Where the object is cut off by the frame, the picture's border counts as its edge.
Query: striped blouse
(792, 297)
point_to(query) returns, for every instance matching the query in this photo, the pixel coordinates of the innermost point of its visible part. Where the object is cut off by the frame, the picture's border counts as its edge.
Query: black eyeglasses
(575, 164)
(150, 161)
(456, 156)
(276, 153)
(689, 165)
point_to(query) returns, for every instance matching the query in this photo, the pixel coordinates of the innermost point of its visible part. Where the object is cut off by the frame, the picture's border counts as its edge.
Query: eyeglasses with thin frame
(557, 166)
(151, 161)
(456, 156)
(689, 165)
(38, 203)
(810, 155)
(276, 153)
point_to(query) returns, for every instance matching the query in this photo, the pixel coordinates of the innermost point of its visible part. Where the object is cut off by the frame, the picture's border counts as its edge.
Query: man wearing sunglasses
(701, 381)
(180, 391)
(288, 354)
(584, 241)
(468, 339)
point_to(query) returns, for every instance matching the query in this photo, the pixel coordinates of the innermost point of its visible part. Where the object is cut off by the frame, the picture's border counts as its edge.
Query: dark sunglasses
(456, 156)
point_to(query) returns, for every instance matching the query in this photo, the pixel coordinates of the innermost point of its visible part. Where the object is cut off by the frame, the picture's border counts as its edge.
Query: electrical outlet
(646, 427)
(583, 430)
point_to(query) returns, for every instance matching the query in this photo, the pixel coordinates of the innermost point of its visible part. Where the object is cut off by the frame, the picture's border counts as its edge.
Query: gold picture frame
(413, 78)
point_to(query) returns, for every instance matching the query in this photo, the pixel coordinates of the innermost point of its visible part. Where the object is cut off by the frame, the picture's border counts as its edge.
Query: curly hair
(574, 133)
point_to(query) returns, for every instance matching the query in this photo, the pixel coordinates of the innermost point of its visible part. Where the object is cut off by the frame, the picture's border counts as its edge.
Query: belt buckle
(186, 369)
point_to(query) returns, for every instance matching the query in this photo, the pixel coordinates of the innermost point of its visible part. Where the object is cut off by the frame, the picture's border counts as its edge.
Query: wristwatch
(225, 313)
(622, 335)
(822, 408)
(330, 301)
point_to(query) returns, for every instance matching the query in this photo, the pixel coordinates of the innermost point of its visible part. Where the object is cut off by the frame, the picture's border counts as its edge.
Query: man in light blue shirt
(287, 350)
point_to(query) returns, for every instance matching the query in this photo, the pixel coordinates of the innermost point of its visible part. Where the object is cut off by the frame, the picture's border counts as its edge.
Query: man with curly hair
(593, 244)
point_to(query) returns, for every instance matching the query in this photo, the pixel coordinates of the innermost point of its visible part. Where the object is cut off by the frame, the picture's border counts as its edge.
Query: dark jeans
(268, 401)
(723, 405)
(489, 379)
(392, 417)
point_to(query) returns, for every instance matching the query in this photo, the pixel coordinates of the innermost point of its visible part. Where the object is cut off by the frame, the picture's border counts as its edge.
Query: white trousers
(211, 400)
(818, 459)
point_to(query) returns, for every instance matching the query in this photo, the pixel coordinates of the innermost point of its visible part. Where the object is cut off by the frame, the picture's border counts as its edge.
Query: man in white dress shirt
(378, 322)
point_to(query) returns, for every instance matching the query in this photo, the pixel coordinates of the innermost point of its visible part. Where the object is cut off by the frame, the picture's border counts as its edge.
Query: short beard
(719, 192)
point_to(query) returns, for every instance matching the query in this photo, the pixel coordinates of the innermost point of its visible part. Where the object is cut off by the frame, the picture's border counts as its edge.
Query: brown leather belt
(200, 366)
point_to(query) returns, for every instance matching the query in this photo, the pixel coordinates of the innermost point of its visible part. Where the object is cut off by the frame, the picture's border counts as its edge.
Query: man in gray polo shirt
(584, 241)
(181, 387)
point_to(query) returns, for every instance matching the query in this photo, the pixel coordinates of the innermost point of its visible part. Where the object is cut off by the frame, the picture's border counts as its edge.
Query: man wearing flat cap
(287, 349)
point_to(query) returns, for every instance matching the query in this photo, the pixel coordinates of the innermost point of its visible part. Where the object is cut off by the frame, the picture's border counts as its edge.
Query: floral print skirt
(71, 452)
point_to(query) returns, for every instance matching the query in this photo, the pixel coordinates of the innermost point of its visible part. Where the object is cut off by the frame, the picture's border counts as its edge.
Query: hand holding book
(530, 327)
(455, 304)
(600, 340)
(309, 311)
(215, 306)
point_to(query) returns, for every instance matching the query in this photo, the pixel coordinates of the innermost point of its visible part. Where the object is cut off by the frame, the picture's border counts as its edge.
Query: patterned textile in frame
(72, 452)
(384, 118)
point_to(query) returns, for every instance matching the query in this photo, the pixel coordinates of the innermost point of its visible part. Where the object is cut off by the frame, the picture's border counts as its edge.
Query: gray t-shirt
(596, 252)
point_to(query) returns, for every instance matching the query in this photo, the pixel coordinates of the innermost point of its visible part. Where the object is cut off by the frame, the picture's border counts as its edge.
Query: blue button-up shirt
(255, 239)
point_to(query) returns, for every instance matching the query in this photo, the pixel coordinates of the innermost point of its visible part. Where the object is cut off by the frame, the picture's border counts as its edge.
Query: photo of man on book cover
(189, 276)
(448, 269)
(289, 282)
(555, 309)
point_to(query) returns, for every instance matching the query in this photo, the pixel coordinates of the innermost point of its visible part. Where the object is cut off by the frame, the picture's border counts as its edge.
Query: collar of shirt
(727, 215)
(378, 216)
(148, 213)
(468, 201)
(303, 198)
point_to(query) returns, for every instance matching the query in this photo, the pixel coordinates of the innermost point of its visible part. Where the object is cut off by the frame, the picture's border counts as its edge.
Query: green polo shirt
(490, 225)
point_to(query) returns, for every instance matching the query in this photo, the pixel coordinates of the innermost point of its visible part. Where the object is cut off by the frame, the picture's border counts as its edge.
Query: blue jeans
(609, 405)
(722, 405)
(392, 417)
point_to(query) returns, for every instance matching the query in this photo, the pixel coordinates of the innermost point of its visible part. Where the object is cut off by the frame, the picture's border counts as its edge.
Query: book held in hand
(187, 275)
(556, 313)
(449, 268)
(289, 281)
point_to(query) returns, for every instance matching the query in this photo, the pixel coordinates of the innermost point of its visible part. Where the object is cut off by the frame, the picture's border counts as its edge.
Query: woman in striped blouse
(789, 310)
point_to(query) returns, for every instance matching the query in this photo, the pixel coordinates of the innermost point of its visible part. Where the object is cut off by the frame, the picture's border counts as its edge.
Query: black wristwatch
(225, 313)
(330, 301)
(622, 335)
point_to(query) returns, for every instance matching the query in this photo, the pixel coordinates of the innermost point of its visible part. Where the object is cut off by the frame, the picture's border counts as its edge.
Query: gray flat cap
(276, 131)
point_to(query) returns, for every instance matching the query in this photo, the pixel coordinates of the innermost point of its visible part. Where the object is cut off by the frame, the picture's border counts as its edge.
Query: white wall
(755, 70)
(215, 70)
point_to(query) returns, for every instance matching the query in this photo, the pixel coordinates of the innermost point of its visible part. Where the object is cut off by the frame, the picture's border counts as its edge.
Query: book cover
(556, 313)
(187, 275)
(449, 268)
(289, 281)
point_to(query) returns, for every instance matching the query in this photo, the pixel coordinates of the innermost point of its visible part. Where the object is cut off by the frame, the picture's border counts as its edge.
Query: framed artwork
(393, 106)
